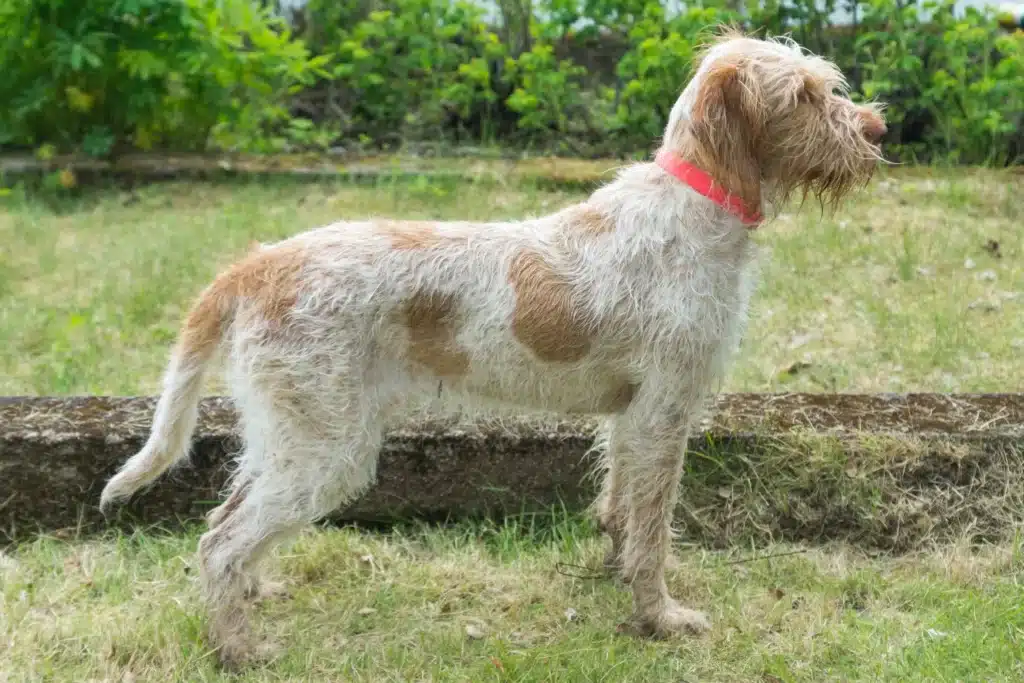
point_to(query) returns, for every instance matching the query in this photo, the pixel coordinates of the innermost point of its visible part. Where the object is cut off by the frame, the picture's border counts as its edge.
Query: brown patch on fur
(588, 220)
(544, 319)
(433, 325)
(412, 235)
(266, 279)
(417, 235)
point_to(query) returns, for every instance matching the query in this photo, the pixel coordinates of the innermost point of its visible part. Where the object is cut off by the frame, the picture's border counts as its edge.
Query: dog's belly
(579, 390)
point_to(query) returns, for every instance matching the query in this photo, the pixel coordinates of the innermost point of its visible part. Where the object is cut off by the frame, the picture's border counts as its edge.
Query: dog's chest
(694, 298)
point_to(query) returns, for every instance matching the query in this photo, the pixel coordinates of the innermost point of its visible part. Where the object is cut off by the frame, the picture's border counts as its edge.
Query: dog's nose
(873, 126)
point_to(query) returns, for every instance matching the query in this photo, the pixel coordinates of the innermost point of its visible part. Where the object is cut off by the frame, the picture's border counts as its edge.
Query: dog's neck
(692, 174)
(733, 168)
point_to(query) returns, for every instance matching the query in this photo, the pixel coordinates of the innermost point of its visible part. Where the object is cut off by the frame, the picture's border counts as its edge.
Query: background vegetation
(573, 77)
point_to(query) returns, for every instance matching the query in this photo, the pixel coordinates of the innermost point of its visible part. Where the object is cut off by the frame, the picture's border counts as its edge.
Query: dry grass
(891, 493)
(485, 603)
(901, 290)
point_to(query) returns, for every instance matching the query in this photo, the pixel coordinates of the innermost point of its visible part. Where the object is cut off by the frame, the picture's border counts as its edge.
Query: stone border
(555, 170)
(888, 471)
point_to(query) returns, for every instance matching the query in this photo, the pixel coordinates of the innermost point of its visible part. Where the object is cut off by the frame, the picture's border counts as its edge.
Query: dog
(626, 306)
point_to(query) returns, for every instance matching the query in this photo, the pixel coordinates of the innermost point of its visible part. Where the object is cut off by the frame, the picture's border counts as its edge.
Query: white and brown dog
(626, 305)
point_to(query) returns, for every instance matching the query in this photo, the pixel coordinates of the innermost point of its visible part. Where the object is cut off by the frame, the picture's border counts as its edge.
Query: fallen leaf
(796, 367)
(984, 305)
(796, 341)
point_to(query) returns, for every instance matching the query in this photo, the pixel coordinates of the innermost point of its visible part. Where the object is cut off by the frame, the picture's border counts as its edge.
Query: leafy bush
(106, 74)
(587, 76)
(413, 68)
(656, 68)
(956, 79)
(546, 90)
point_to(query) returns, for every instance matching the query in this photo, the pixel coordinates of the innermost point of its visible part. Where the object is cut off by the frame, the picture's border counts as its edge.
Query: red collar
(705, 184)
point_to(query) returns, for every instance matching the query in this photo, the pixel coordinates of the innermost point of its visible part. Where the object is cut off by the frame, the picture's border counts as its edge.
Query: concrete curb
(793, 466)
(554, 170)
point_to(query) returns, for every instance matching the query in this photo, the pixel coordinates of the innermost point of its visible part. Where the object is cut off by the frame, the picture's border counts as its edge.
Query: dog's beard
(829, 181)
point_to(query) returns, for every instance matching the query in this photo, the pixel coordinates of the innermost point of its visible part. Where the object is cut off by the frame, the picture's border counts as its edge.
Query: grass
(493, 603)
(916, 284)
(901, 290)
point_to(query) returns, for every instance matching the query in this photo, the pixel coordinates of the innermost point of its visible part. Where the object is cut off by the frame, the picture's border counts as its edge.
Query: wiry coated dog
(626, 305)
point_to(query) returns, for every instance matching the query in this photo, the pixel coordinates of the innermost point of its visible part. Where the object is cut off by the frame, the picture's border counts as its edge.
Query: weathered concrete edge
(556, 170)
(56, 453)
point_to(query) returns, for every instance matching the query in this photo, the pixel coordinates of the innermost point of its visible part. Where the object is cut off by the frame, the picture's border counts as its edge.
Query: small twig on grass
(764, 557)
(559, 566)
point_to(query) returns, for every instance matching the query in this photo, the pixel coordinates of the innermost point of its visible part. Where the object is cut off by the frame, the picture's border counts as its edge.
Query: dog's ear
(804, 87)
(727, 121)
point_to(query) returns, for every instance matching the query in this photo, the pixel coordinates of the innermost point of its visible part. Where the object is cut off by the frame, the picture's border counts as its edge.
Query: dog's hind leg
(313, 460)
(239, 489)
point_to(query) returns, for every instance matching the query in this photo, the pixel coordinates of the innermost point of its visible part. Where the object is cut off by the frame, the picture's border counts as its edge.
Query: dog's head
(765, 118)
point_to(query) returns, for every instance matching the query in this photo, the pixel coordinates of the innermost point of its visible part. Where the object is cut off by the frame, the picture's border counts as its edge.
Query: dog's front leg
(650, 463)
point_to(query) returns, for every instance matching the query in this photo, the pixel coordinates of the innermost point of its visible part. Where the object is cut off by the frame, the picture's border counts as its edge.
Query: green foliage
(957, 75)
(411, 67)
(588, 76)
(99, 75)
(547, 90)
(618, 16)
(657, 67)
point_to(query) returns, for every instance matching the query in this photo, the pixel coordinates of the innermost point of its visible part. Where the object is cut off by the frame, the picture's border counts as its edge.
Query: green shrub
(102, 75)
(616, 16)
(656, 68)
(109, 75)
(411, 68)
(546, 90)
(957, 79)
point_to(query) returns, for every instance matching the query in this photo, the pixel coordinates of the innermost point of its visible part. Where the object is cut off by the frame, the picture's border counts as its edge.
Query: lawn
(481, 603)
(917, 284)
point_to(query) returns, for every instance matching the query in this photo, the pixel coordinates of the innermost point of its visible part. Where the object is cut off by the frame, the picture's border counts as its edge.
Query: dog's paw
(611, 562)
(272, 590)
(674, 619)
(236, 656)
(263, 590)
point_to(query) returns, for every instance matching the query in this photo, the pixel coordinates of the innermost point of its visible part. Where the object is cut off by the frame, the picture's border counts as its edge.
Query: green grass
(875, 298)
(402, 606)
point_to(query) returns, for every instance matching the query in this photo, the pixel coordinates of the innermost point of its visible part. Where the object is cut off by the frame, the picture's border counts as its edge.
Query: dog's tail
(178, 407)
